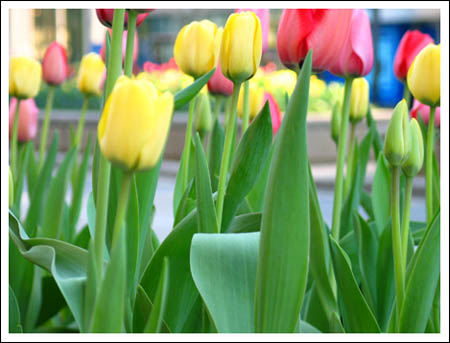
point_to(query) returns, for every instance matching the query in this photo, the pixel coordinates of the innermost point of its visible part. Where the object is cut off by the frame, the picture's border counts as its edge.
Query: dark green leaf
(185, 95)
(52, 300)
(335, 324)
(15, 325)
(250, 222)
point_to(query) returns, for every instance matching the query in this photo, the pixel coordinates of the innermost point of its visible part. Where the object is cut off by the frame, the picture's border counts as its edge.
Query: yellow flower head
(25, 76)
(359, 99)
(90, 75)
(256, 100)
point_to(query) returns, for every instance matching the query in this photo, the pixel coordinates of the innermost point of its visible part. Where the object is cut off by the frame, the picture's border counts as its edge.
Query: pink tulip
(356, 57)
(424, 111)
(322, 30)
(124, 46)
(275, 112)
(106, 17)
(264, 17)
(219, 84)
(55, 69)
(28, 119)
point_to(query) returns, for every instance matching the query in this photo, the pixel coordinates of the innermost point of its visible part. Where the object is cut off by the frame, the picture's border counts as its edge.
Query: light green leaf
(185, 95)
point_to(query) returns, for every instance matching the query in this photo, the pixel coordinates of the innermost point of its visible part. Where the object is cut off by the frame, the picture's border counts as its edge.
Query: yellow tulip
(316, 86)
(256, 100)
(241, 48)
(25, 76)
(359, 99)
(90, 74)
(196, 48)
(134, 124)
(424, 76)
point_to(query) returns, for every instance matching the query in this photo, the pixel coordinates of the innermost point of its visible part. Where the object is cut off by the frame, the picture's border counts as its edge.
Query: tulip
(28, 119)
(397, 141)
(322, 30)
(241, 47)
(54, 65)
(90, 74)
(410, 45)
(196, 47)
(356, 58)
(134, 124)
(124, 46)
(424, 111)
(106, 17)
(264, 17)
(203, 119)
(424, 76)
(359, 100)
(412, 165)
(336, 121)
(219, 84)
(24, 77)
(256, 100)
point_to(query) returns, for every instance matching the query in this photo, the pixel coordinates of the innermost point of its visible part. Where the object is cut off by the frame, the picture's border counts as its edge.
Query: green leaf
(187, 204)
(284, 244)
(15, 325)
(178, 192)
(133, 231)
(249, 222)
(421, 280)
(377, 141)
(314, 312)
(90, 289)
(381, 190)
(32, 169)
(305, 327)
(35, 210)
(207, 220)
(215, 146)
(82, 238)
(335, 324)
(366, 203)
(53, 213)
(436, 185)
(142, 310)
(250, 155)
(185, 95)
(224, 271)
(22, 167)
(52, 300)
(359, 318)
(363, 159)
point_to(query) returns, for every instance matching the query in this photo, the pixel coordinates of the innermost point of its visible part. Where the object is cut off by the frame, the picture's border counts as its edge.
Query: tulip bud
(275, 113)
(106, 17)
(196, 48)
(203, 119)
(336, 121)
(28, 119)
(424, 111)
(397, 141)
(24, 77)
(54, 65)
(134, 124)
(424, 76)
(264, 17)
(410, 45)
(90, 74)
(359, 100)
(11, 187)
(241, 49)
(219, 84)
(412, 165)
(256, 100)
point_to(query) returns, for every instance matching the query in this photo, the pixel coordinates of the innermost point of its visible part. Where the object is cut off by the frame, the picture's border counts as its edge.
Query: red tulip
(424, 111)
(55, 69)
(356, 57)
(106, 17)
(322, 30)
(264, 17)
(28, 119)
(219, 84)
(410, 45)
(142, 10)
(275, 112)
(124, 46)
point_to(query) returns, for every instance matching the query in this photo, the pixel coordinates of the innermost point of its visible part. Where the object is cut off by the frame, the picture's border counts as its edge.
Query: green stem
(349, 176)
(114, 71)
(407, 94)
(342, 145)
(396, 240)
(121, 207)
(44, 133)
(229, 134)
(218, 106)
(187, 145)
(132, 17)
(14, 138)
(80, 128)
(405, 221)
(429, 165)
(246, 114)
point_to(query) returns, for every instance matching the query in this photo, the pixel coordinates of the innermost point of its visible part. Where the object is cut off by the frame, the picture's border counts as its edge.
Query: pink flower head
(106, 17)
(275, 112)
(55, 69)
(264, 17)
(424, 111)
(219, 84)
(28, 119)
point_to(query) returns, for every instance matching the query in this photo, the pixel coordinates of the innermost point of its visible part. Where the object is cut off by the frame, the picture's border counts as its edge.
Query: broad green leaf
(90, 289)
(359, 318)
(305, 327)
(178, 193)
(187, 204)
(421, 280)
(82, 238)
(224, 271)
(52, 300)
(215, 146)
(142, 309)
(349, 244)
(14, 323)
(53, 213)
(315, 313)
(335, 323)
(284, 243)
(185, 95)
(207, 221)
(250, 155)
(381, 190)
(250, 222)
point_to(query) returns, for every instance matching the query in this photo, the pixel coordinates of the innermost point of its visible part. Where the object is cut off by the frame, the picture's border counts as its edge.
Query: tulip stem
(187, 145)
(80, 128)
(246, 114)
(14, 137)
(44, 133)
(229, 134)
(407, 94)
(396, 240)
(121, 207)
(132, 17)
(429, 165)
(406, 218)
(218, 106)
(349, 172)
(342, 145)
